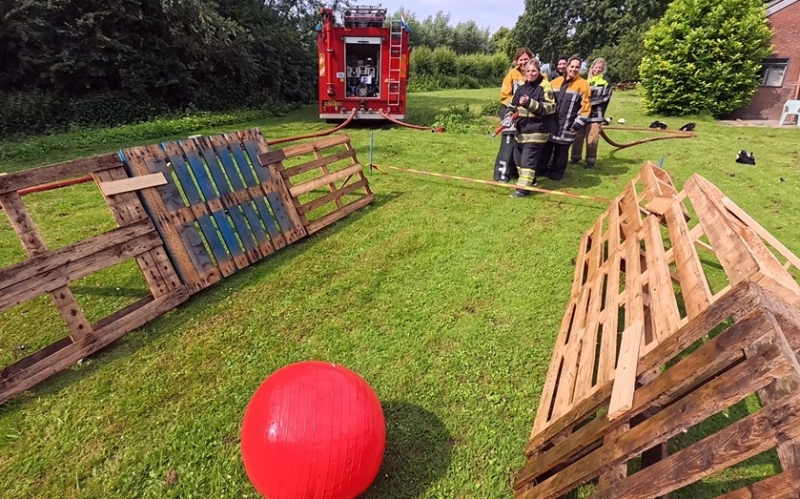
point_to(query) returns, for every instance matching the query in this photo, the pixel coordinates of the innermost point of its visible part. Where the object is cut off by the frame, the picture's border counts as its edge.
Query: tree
(705, 56)
(502, 41)
(563, 27)
(624, 57)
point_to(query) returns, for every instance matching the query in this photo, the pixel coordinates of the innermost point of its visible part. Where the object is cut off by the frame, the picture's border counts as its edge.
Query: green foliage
(122, 61)
(623, 58)
(503, 42)
(436, 31)
(704, 56)
(441, 68)
(552, 28)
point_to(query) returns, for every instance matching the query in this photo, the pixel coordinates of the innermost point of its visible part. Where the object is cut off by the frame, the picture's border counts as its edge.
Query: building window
(773, 71)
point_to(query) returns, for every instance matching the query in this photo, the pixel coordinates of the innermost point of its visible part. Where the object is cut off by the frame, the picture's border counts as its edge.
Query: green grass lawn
(446, 297)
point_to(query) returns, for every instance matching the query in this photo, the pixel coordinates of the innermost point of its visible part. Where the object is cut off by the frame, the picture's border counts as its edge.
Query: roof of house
(778, 5)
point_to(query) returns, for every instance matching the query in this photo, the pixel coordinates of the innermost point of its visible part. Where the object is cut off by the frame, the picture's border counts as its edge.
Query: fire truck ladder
(395, 61)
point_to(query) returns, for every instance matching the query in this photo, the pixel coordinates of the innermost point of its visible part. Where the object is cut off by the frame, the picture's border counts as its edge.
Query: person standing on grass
(601, 97)
(573, 101)
(504, 166)
(532, 102)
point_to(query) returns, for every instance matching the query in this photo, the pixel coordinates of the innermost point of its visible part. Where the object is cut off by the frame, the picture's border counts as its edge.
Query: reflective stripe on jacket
(573, 108)
(532, 125)
(601, 97)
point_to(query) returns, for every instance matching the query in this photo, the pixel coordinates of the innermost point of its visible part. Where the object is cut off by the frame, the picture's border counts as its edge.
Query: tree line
(119, 61)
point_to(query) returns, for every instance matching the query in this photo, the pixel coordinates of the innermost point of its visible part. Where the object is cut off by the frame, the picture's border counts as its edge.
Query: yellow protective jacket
(574, 103)
(513, 80)
(532, 124)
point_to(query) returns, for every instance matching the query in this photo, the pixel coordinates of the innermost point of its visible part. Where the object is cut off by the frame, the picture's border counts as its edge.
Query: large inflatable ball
(313, 430)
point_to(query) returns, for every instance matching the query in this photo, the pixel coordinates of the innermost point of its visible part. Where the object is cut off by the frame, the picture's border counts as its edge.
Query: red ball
(313, 430)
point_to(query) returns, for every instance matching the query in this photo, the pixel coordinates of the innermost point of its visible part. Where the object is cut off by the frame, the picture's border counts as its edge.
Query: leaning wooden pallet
(190, 213)
(51, 271)
(620, 383)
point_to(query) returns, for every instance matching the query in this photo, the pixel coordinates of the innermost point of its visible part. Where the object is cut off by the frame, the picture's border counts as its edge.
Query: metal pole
(371, 146)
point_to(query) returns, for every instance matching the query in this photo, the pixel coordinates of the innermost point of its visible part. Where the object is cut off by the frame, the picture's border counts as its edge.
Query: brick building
(780, 75)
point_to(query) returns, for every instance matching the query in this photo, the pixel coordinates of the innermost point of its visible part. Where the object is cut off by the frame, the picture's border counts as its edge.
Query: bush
(704, 56)
(422, 61)
(444, 61)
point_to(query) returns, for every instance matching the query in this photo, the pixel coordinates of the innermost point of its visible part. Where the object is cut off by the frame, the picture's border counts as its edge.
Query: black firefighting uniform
(532, 126)
(573, 101)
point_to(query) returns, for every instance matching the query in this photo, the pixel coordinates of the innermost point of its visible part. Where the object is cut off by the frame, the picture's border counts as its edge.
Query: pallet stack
(190, 213)
(646, 350)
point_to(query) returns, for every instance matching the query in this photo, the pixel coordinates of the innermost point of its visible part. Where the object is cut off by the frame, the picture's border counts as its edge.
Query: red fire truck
(363, 64)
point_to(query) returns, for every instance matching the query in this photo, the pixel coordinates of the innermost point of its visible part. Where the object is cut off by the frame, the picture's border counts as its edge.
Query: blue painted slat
(274, 200)
(209, 231)
(207, 188)
(247, 173)
(233, 175)
(245, 234)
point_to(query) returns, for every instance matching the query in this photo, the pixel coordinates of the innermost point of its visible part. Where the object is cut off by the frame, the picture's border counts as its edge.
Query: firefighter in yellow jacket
(573, 101)
(533, 103)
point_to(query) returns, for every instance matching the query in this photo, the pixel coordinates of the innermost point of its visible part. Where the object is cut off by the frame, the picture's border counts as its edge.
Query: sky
(487, 14)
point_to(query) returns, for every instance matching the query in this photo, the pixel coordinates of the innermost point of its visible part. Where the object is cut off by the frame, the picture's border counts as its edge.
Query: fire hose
(668, 134)
(313, 135)
(437, 129)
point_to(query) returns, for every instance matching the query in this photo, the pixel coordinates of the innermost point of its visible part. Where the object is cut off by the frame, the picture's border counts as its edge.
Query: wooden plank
(316, 183)
(132, 184)
(584, 382)
(608, 348)
(709, 359)
(83, 347)
(126, 209)
(52, 281)
(739, 213)
(182, 239)
(319, 162)
(332, 185)
(316, 145)
(51, 173)
(736, 259)
(349, 146)
(630, 210)
(34, 358)
(277, 239)
(330, 218)
(52, 260)
(223, 261)
(235, 176)
(740, 299)
(550, 384)
(659, 205)
(214, 203)
(742, 440)
(625, 377)
(783, 486)
(663, 307)
(717, 395)
(220, 180)
(693, 283)
(327, 198)
(34, 245)
(278, 196)
(652, 190)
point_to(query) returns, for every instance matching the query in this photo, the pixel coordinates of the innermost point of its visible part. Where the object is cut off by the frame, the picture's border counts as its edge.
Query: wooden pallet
(51, 271)
(639, 284)
(218, 211)
(312, 177)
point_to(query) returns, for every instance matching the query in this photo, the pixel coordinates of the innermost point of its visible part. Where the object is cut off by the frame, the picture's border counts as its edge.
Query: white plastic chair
(792, 107)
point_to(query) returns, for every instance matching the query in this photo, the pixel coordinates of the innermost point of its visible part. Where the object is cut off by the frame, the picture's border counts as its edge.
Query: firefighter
(504, 167)
(533, 102)
(601, 96)
(561, 68)
(573, 100)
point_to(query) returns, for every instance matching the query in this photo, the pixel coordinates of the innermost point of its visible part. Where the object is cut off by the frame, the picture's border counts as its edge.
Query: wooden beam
(132, 184)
